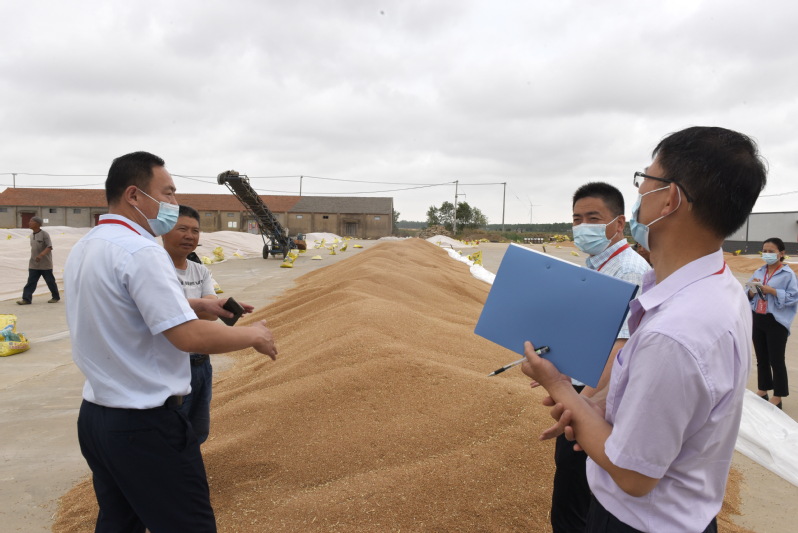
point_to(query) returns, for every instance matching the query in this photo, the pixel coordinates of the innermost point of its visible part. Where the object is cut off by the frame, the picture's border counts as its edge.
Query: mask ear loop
(610, 222)
(666, 214)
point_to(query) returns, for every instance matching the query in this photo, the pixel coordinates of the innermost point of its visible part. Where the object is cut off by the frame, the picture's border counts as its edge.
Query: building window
(325, 217)
(230, 215)
(208, 215)
(76, 211)
(299, 216)
(53, 210)
(232, 224)
(3, 210)
(376, 218)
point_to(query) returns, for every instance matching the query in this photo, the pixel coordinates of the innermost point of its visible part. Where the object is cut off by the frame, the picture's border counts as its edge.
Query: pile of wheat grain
(378, 415)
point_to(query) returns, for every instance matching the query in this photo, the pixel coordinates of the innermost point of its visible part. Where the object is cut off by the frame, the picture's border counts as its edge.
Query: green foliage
(467, 217)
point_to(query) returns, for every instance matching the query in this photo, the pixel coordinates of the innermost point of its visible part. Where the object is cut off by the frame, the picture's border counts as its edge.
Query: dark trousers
(570, 497)
(197, 404)
(147, 470)
(770, 342)
(33, 280)
(600, 520)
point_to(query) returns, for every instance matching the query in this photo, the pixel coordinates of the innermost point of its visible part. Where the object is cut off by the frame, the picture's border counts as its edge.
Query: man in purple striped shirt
(661, 442)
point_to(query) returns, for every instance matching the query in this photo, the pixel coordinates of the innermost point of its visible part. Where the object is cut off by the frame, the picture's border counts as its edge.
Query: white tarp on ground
(767, 435)
(448, 242)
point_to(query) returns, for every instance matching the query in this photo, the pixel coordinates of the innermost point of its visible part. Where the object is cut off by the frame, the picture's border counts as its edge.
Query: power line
(777, 194)
(366, 192)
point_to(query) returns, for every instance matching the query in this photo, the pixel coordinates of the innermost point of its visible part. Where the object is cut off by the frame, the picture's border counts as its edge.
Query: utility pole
(454, 215)
(504, 200)
(300, 185)
(14, 178)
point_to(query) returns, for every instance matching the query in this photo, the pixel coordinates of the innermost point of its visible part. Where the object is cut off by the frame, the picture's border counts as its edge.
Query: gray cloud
(541, 96)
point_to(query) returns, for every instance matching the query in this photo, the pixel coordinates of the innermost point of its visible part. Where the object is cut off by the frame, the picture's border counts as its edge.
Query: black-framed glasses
(636, 181)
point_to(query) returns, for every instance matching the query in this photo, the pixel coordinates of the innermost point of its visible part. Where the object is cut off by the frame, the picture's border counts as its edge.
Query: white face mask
(166, 218)
(640, 231)
(592, 238)
(770, 258)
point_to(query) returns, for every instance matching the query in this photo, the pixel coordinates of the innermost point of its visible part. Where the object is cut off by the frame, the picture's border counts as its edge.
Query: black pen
(540, 351)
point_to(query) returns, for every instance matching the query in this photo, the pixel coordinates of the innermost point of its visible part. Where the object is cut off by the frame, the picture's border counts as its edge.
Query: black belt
(198, 358)
(172, 403)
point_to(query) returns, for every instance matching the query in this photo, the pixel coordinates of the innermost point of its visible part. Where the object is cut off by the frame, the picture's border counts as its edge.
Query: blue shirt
(675, 397)
(785, 303)
(123, 294)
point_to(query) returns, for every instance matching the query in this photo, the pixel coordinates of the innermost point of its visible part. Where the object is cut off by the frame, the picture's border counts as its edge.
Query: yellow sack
(11, 342)
(218, 254)
(476, 257)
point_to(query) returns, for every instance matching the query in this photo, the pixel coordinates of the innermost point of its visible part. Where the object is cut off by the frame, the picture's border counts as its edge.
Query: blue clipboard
(575, 311)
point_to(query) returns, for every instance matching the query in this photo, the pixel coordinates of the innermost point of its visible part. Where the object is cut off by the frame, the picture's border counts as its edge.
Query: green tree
(468, 217)
(432, 217)
(446, 215)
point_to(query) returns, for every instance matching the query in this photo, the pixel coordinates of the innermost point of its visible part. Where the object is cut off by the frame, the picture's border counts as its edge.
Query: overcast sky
(544, 96)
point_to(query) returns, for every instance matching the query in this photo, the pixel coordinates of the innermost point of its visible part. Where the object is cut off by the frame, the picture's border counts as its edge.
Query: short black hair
(609, 194)
(722, 171)
(779, 244)
(186, 211)
(130, 169)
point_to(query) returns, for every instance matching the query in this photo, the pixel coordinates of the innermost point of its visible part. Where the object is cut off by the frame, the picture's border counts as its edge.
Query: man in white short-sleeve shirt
(660, 446)
(131, 327)
(196, 281)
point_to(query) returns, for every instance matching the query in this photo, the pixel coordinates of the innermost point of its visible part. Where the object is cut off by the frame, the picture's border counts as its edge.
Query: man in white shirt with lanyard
(131, 327)
(598, 231)
(196, 280)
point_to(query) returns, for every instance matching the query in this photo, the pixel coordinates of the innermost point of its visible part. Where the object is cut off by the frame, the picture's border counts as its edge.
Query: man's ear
(621, 223)
(673, 200)
(131, 195)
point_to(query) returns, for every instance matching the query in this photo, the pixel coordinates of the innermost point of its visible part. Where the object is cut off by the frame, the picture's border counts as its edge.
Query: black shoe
(765, 397)
(778, 405)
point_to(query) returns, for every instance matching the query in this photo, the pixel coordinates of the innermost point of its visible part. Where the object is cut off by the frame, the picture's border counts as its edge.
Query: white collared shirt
(675, 397)
(123, 293)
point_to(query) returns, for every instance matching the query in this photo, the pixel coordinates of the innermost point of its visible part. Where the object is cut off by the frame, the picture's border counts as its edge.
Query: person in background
(40, 265)
(197, 282)
(773, 293)
(599, 221)
(660, 440)
(131, 327)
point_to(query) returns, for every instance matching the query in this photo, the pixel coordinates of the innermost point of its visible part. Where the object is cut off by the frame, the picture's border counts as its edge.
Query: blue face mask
(166, 219)
(770, 258)
(640, 231)
(592, 238)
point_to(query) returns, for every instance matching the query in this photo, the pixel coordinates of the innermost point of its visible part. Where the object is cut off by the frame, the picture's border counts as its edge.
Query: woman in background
(773, 292)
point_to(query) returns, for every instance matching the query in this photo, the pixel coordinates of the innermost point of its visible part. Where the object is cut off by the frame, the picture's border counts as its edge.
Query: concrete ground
(40, 392)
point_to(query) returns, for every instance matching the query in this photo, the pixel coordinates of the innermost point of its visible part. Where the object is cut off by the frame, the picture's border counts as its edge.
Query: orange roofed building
(364, 218)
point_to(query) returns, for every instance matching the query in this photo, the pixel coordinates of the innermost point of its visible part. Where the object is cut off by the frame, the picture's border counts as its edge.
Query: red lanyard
(115, 221)
(721, 271)
(765, 281)
(616, 252)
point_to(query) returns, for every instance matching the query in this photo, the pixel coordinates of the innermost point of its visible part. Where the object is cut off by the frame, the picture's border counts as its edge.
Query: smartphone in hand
(235, 308)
